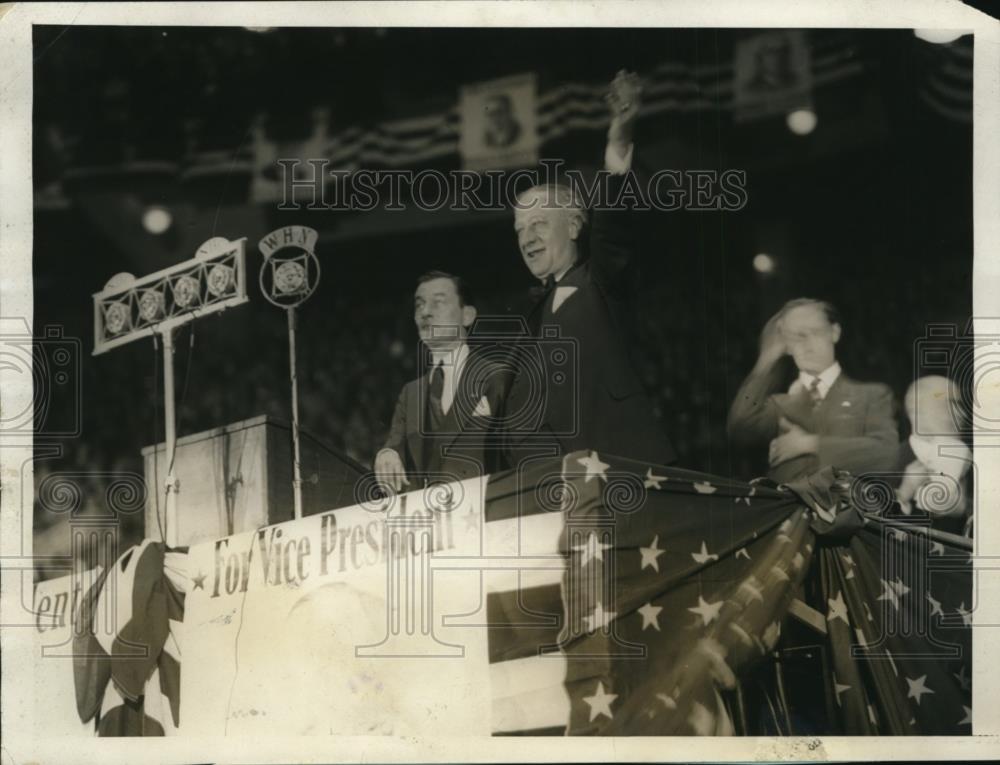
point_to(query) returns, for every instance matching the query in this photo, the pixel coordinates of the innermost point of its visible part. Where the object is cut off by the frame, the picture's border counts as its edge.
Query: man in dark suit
(590, 397)
(442, 427)
(825, 418)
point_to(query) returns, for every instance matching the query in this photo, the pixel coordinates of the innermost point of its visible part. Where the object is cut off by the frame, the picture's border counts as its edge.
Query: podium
(238, 478)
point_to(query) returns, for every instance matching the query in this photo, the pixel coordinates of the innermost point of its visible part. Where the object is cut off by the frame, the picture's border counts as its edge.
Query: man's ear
(835, 331)
(468, 315)
(575, 226)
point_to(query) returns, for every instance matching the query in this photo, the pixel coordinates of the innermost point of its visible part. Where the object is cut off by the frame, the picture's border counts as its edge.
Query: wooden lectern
(239, 477)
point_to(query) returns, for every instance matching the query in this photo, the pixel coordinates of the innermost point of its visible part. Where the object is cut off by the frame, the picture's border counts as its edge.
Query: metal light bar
(129, 308)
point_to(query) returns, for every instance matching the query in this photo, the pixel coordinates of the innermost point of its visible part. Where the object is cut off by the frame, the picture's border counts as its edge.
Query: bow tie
(540, 292)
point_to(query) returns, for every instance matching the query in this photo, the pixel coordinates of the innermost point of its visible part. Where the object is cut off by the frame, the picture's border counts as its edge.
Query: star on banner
(650, 616)
(838, 609)
(743, 552)
(653, 481)
(707, 611)
(650, 555)
(591, 549)
(600, 618)
(595, 468)
(704, 556)
(937, 548)
(967, 720)
(703, 487)
(600, 702)
(199, 581)
(917, 688)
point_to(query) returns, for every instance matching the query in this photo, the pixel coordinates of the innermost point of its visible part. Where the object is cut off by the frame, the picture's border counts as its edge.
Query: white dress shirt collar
(826, 379)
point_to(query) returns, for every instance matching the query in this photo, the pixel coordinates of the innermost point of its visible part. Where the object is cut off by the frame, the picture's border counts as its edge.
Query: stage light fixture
(129, 308)
(116, 317)
(939, 36)
(185, 291)
(801, 121)
(156, 220)
(763, 263)
(151, 304)
(221, 279)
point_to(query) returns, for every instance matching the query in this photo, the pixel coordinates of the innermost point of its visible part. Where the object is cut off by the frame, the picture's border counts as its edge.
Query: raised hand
(772, 344)
(624, 100)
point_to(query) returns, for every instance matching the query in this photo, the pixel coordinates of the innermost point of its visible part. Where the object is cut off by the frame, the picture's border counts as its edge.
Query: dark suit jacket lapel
(416, 415)
(841, 391)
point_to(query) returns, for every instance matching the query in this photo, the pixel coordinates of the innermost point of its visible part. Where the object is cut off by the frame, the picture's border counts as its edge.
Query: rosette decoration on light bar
(129, 308)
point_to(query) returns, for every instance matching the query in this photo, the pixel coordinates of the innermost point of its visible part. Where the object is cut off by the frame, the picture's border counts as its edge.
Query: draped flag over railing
(127, 651)
(899, 612)
(588, 595)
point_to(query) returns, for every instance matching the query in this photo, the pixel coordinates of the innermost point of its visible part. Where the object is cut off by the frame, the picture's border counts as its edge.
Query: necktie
(814, 393)
(437, 388)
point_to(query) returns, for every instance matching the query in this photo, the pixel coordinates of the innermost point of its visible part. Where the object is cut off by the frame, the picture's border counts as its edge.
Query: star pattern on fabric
(707, 611)
(963, 680)
(889, 593)
(849, 563)
(704, 555)
(838, 689)
(937, 548)
(935, 605)
(703, 487)
(868, 611)
(650, 616)
(600, 702)
(199, 581)
(650, 555)
(967, 720)
(966, 615)
(592, 549)
(918, 688)
(653, 481)
(838, 609)
(742, 552)
(600, 618)
(595, 468)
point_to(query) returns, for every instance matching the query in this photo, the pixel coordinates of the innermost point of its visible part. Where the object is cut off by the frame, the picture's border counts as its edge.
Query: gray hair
(556, 195)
